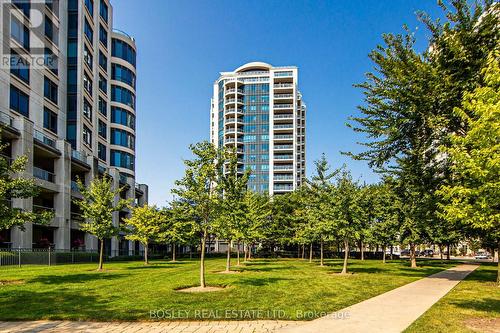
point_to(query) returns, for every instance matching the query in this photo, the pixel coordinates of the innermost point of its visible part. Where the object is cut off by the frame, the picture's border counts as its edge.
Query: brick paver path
(392, 311)
(256, 326)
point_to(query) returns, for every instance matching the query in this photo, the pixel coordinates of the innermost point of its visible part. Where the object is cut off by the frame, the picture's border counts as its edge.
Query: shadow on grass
(61, 304)
(75, 278)
(258, 282)
(266, 268)
(489, 305)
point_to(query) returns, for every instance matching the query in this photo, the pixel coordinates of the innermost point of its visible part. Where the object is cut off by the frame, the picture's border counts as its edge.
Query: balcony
(74, 186)
(233, 140)
(233, 110)
(283, 96)
(283, 177)
(283, 106)
(42, 209)
(42, 138)
(283, 127)
(284, 116)
(233, 90)
(283, 85)
(234, 100)
(44, 175)
(285, 167)
(283, 157)
(283, 147)
(283, 187)
(233, 130)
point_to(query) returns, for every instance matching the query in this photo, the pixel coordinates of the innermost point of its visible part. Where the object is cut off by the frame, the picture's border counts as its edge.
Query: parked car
(427, 253)
(405, 252)
(482, 255)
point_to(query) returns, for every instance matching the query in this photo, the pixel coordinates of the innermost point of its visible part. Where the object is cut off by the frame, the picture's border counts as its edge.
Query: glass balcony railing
(283, 157)
(6, 119)
(44, 174)
(283, 136)
(283, 146)
(74, 186)
(283, 167)
(234, 110)
(233, 90)
(283, 116)
(283, 187)
(283, 85)
(232, 100)
(41, 209)
(79, 155)
(284, 126)
(283, 106)
(277, 96)
(283, 177)
(44, 138)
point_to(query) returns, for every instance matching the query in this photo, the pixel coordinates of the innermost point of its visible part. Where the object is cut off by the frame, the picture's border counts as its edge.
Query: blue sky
(183, 45)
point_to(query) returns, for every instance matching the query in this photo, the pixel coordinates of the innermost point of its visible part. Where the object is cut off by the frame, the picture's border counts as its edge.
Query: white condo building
(259, 109)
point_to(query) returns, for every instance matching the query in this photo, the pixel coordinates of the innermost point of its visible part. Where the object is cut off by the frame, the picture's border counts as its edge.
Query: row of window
(122, 159)
(123, 74)
(124, 51)
(122, 117)
(122, 95)
(103, 9)
(122, 138)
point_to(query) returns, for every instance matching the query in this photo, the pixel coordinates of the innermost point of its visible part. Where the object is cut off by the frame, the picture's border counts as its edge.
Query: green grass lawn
(130, 290)
(472, 306)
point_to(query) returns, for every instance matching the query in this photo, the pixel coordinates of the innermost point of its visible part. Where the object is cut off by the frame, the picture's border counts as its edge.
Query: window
(50, 30)
(103, 11)
(103, 107)
(123, 74)
(19, 67)
(103, 84)
(50, 120)
(20, 33)
(87, 57)
(122, 117)
(51, 60)
(90, 6)
(87, 136)
(50, 90)
(103, 61)
(103, 129)
(88, 32)
(87, 83)
(122, 95)
(122, 50)
(103, 35)
(19, 101)
(23, 5)
(52, 5)
(122, 138)
(122, 159)
(87, 109)
(101, 151)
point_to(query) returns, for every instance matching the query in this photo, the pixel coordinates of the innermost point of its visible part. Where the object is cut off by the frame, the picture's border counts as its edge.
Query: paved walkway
(256, 326)
(392, 311)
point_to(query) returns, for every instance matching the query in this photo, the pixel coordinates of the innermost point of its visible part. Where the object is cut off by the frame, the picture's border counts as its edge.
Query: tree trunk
(303, 251)
(249, 251)
(190, 252)
(441, 251)
(361, 248)
(202, 259)
(101, 252)
(413, 258)
(173, 252)
(448, 254)
(238, 254)
(311, 253)
(346, 256)
(228, 259)
(321, 261)
(383, 254)
(392, 250)
(146, 262)
(498, 264)
(245, 252)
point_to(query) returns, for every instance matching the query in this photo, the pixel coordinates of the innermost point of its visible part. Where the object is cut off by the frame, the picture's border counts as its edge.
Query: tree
(474, 197)
(409, 107)
(99, 202)
(144, 226)
(178, 227)
(200, 191)
(346, 211)
(318, 209)
(234, 186)
(14, 186)
(257, 216)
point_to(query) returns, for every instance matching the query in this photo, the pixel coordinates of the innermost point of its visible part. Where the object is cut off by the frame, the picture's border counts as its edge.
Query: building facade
(67, 102)
(258, 109)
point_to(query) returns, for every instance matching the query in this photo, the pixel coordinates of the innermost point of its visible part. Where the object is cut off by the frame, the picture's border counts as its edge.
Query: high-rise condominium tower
(258, 109)
(67, 102)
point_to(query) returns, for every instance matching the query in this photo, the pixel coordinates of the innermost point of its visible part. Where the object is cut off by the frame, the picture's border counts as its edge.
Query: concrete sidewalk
(392, 311)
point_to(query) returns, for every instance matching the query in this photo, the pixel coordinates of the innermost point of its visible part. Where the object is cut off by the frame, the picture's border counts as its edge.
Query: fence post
(19, 256)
